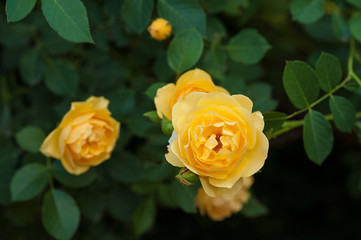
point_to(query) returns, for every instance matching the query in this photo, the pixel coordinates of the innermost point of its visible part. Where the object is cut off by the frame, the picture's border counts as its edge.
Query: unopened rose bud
(152, 116)
(187, 177)
(167, 126)
(160, 29)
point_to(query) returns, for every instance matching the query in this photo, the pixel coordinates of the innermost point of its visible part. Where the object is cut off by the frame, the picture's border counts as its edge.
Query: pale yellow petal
(70, 166)
(64, 134)
(250, 164)
(174, 148)
(255, 159)
(194, 75)
(77, 131)
(50, 146)
(214, 191)
(162, 100)
(98, 102)
(250, 129)
(100, 159)
(82, 118)
(77, 109)
(181, 109)
(244, 101)
(173, 159)
(218, 98)
(221, 89)
(258, 120)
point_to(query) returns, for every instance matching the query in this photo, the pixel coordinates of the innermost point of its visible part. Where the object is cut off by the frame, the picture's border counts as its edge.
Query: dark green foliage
(46, 63)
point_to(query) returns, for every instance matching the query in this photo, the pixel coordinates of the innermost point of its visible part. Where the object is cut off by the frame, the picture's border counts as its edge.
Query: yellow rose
(219, 208)
(195, 80)
(160, 29)
(217, 137)
(85, 137)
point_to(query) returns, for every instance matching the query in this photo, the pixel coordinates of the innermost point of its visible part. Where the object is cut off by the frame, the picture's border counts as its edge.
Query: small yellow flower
(219, 208)
(217, 137)
(160, 29)
(195, 80)
(85, 137)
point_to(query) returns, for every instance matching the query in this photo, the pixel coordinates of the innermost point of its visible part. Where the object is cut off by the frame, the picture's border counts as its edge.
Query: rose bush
(195, 80)
(219, 208)
(217, 137)
(85, 137)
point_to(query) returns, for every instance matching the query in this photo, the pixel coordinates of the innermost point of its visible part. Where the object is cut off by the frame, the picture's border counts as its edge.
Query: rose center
(219, 144)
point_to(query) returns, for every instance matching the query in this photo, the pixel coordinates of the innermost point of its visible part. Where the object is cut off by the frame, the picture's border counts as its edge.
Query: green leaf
(122, 204)
(18, 9)
(248, 47)
(61, 175)
(356, 3)
(237, 7)
(137, 13)
(144, 187)
(215, 29)
(68, 18)
(152, 116)
(214, 6)
(8, 159)
(260, 93)
(307, 11)
(184, 196)
(124, 167)
(144, 216)
(340, 27)
(122, 102)
(161, 69)
(183, 14)
(31, 67)
(300, 83)
(329, 71)
(61, 78)
(158, 172)
(254, 208)
(343, 113)
(164, 196)
(357, 131)
(184, 50)
(13, 35)
(28, 182)
(234, 83)
(317, 136)
(60, 214)
(30, 138)
(91, 204)
(273, 120)
(355, 25)
(213, 63)
(151, 91)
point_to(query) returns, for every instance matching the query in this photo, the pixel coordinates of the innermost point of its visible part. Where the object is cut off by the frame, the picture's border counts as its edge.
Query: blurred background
(295, 198)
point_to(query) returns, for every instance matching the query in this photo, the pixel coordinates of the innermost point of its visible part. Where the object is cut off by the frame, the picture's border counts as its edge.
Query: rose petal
(98, 102)
(244, 101)
(69, 165)
(173, 159)
(214, 191)
(162, 100)
(50, 146)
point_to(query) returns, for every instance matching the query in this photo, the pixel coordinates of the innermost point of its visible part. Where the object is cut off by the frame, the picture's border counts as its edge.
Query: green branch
(351, 75)
(292, 124)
